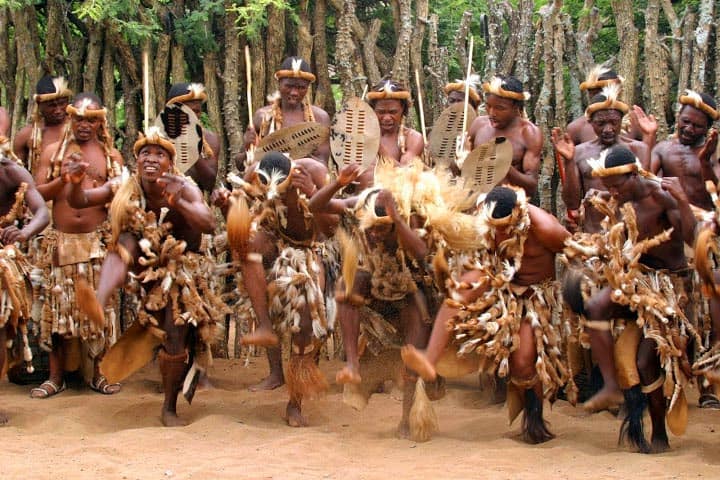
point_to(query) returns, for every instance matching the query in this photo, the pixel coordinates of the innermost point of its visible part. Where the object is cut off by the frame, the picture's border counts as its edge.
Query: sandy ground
(240, 435)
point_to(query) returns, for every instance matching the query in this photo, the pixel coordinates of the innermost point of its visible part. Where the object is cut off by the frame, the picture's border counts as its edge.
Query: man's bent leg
(348, 313)
(599, 309)
(424, 364)
(256, 287)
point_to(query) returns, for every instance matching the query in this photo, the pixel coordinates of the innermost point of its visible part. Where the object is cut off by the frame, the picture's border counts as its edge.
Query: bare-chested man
(690, 154)
(49, 121)
(202, 164)
(604, 115)
(391, 102)
(580, 130)
(657, 208)
(17, 190)
(290, 107)
(158, 219)
(75, 248)
(288, 243)
(517, 231)
(504, 103)
(387, 281)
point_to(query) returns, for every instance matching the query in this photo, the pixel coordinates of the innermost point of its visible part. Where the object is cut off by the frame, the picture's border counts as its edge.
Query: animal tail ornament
(239, 224)
(87, 302)
(534, 427)
(349, 255)
(632, 426)
(423, 420)
(705, 245)
(572, 291)
(304, 378)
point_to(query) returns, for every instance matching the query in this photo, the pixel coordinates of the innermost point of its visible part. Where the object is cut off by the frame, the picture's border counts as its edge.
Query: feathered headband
(83, 110)
(275, 181)
(518, 213)
(593, 79)
(295, 72)
(494, 86)
(61, 91)
(196, 91)
(694, 99)
(154, 136)
(365, 209)
(611, 101)
(600, 170)
(459, 86)
(389, 90)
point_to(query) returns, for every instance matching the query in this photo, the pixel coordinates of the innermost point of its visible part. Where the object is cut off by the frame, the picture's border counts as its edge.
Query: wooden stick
(420, 105)
(467, 84)
(146, 90)
(248, 76)
(250, 153)
(365, 89)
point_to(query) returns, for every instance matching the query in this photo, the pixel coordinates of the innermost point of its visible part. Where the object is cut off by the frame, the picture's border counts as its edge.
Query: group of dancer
(401, 253)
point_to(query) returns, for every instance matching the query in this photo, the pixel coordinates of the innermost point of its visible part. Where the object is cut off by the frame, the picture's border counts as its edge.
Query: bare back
(545, 239)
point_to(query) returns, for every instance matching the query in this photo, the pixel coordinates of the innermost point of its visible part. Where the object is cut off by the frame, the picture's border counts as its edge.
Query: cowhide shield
(487, 164)
(354, 135)
(445, 133)
(183, 128)
(298, 141)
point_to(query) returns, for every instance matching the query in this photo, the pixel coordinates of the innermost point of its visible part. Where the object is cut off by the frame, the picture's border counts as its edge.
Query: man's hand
(348, 174)
(646, 124)
(220, 197)
(74, 169)
(12, 234)
(563, 143)
(708, 149)
(302, 180)
(673, 186)
(250, 137)
(173, 186)
(386, 200)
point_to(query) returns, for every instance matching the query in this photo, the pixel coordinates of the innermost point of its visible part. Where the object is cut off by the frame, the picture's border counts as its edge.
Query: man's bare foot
(403, 430)
(3, 418)
(605, 399)
(261, 337)
(294, 417)
(348, 374)
(271, 382)
(417, 362)
(171, 419)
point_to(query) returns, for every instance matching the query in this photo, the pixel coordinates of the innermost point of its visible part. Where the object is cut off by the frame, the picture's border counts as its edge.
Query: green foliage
(128, 16)
(17, 4)
(195, 27)
(252, 16)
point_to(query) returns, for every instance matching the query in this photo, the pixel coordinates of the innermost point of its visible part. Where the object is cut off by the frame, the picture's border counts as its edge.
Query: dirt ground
(241, 435)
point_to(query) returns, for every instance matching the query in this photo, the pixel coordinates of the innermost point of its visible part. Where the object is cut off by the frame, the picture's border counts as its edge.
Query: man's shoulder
(321, 116)
(24, 131)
